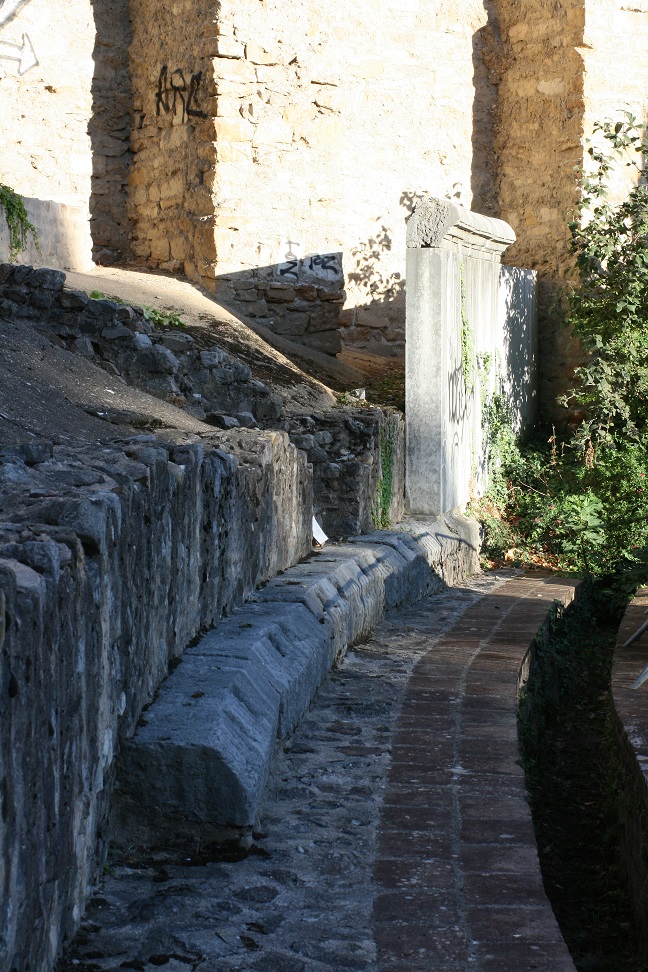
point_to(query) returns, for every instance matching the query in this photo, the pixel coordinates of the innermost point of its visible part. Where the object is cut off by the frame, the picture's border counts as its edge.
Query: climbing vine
(384, 490)
(18, 222)
(467, 342)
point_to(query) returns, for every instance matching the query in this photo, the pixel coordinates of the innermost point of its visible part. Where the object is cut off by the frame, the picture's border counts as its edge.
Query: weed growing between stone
(387, 389)
(384, 492)
(467, 342)
(570, 761)
(157, 317)
(18, 222)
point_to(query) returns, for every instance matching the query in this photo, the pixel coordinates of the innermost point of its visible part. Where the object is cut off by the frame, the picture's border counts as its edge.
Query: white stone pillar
(453, 327)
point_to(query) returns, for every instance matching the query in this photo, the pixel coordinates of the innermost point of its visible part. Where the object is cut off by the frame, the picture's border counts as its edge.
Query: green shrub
(609, 309)
(18, 223)
(581, 502)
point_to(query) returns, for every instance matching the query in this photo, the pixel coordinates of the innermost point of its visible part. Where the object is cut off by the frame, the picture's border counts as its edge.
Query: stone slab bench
(197, 767)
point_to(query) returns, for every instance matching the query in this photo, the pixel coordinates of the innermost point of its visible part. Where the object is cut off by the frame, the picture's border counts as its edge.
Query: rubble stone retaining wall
(357, 453)
(113, 557)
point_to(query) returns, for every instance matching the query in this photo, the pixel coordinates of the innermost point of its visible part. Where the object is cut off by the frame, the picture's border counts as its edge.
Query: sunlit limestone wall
(562, 67)
(330, 122)
(46, 76)
(615, 57)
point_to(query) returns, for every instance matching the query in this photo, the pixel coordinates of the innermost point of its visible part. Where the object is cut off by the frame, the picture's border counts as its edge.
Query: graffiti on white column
(22, 53)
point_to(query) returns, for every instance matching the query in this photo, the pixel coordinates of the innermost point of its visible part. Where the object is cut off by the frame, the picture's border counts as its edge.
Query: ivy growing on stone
(467, 341)
(18, 222)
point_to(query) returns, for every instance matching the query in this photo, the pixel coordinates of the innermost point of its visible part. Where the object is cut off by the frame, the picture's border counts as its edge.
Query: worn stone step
(197, 767)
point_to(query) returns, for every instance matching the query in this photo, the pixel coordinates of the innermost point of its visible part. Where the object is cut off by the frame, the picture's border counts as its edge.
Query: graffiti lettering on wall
(177, 96)
(458, 400)
(296, 267)
(22, 53)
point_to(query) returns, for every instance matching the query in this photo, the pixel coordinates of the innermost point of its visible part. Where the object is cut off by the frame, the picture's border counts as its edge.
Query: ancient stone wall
(46, 72)
(538, 144)
(561, 68)
(616, 68)
(110, 131)
(172, 178)
(325, 129)
(112, 558)
(65, 115)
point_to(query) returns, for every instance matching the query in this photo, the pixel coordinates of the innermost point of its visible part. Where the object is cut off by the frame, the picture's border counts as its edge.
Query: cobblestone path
(396, 836)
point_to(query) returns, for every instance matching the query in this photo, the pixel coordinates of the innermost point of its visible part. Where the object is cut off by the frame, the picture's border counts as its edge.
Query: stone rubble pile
(213, 385)
(353, 450)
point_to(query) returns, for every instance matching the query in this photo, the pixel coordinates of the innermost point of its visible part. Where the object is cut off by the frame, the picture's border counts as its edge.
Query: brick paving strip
(457, 858)
(397, 833)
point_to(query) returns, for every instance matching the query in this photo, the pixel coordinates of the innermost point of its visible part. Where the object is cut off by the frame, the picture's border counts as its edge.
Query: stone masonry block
(202, 756)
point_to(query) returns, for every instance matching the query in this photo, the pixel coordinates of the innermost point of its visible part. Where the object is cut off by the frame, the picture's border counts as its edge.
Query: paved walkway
(396, 834)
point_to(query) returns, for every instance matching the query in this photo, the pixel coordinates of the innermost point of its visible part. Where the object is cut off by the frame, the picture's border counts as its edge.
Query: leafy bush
(581, 502)
(609, 310)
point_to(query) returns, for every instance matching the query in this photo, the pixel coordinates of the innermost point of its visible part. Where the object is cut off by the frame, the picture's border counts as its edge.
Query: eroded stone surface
(199, 761)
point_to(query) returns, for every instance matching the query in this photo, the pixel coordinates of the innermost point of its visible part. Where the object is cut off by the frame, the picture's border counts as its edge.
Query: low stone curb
(630, 724)
(196, 769)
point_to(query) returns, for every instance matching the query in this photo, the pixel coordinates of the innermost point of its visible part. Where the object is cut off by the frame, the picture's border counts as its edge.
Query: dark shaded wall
(110, 132)
(538, 138)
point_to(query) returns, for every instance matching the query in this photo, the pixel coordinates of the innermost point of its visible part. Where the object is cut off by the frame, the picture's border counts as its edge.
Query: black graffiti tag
(290, 270)
(173, 94)
(326, 262)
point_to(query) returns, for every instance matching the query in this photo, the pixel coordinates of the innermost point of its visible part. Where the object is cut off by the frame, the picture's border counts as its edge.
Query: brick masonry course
(395, 834)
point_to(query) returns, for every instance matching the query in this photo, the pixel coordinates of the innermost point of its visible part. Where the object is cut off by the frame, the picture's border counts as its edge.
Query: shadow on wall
(63, 236)
(300, 299)
(312, 300)
(488, 51)
(518, 312)
(306, 303)
(109, 130)
(376, 322)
